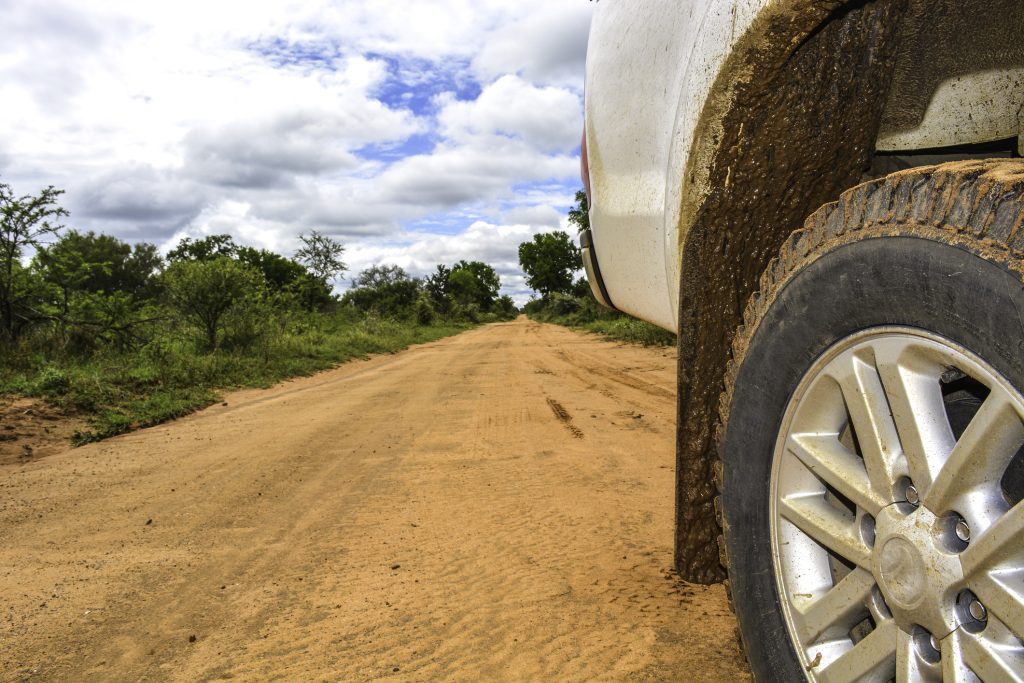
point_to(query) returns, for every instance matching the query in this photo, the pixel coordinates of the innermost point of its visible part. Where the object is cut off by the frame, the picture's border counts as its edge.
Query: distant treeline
(81, 291)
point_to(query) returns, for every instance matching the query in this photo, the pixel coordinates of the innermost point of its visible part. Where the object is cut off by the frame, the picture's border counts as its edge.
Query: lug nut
(978, 611)
(963, 531)
(929, 648)
(913, 497)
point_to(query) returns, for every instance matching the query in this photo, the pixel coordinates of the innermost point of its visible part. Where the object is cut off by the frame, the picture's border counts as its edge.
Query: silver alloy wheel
(874, 587)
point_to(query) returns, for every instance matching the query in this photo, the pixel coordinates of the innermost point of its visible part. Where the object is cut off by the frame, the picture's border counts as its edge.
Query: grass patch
(584, 313)
(118, 392)
(629, 330)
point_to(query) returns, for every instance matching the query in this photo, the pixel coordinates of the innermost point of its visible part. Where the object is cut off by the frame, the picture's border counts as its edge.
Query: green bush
(424, 310)
(52, 382)
(205, 293)
(170, 376)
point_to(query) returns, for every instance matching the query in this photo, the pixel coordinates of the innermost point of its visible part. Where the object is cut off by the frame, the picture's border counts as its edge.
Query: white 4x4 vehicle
(825, 199)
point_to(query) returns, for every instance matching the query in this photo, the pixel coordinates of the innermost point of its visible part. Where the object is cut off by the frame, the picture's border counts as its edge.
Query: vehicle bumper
(593, 270)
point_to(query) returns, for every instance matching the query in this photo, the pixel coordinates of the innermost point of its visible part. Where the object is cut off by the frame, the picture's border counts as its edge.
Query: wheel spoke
(954, 665)
(999, 546)
(828, 526)
(983, 660)
(915, 398)
(909, 667)
(838, 606)
(872, 420)
(1002, 593)
(982, 454)
(872, 659)
(835, 465)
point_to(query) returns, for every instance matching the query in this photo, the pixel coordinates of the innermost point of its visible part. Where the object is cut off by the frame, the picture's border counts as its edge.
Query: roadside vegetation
(550, 261)
(125, 337)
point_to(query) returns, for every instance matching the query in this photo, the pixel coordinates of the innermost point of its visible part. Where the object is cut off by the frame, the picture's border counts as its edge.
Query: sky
(414, 133)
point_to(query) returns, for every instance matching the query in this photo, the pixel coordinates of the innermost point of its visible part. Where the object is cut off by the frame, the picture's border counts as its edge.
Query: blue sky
(414, 133)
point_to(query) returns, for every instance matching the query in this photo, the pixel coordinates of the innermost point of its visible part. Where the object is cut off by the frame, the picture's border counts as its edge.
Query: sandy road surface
(493, 506)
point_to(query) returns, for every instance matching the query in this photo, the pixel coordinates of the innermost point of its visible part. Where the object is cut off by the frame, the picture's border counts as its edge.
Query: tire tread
(975, 204)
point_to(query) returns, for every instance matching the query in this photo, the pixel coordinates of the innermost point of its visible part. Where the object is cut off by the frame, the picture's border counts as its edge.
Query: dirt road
(493, 506)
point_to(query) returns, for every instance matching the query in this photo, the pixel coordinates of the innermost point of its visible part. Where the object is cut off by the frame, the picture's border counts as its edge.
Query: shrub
(204, 292)
(424, 311)
(53, 381)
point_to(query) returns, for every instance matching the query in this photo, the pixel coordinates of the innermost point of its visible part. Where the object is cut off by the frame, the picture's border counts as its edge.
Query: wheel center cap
(917, 574)
(903, 573)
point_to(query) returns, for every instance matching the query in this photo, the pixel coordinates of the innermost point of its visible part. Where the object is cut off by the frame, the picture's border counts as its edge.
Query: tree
(25, 221)
(204, 291)
(464, 288)
(384, 289)
(550, 261)
(103, 264)
(286, 276)
(278, 272)
(579, 214)
(474, 282)
(436, 286)
(139, 272)
(203, 249)
(376, 277)
(424, 309)
(506, 307)
(322, 255)
(99, 288)
(581, 288)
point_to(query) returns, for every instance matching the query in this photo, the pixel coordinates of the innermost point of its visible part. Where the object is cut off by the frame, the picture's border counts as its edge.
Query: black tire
(938, 249)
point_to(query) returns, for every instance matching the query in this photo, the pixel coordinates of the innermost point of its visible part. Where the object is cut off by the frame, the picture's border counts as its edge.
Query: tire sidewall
(905, 281)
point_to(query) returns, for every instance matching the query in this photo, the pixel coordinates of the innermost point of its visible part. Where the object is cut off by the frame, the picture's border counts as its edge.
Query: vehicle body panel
(655, 67)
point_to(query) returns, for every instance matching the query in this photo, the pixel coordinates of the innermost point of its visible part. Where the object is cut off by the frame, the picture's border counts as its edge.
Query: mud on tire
(938, 250)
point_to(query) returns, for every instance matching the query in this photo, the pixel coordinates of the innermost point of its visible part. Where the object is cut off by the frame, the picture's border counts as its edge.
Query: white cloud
(261, 118)
(545, 45)
(136, 200)
(546, 216)
(548, 119)
(463, 173)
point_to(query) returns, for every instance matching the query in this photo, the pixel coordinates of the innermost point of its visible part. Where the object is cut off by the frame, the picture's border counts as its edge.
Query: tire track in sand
(563, 415)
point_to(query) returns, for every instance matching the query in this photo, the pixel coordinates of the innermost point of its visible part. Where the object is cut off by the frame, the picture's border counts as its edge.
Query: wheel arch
(793, 119)
(753, 175)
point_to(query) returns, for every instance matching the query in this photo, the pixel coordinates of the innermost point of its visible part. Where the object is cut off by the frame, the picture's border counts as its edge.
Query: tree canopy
(474, 283)
(99, 264)
(384, 289)
(322, 255)
(278, 271)
(25, 222)
(550, 261)
(579, 214)
(204, 291)
(436, 286)
(203, 249)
